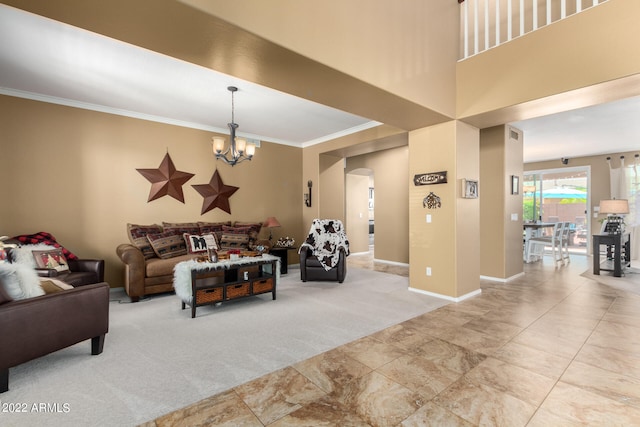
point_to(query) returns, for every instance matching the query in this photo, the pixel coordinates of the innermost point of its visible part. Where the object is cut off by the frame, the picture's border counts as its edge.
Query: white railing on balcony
(488, 23)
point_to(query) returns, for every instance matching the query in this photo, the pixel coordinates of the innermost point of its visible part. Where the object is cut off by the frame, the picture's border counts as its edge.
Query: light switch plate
(428, 218)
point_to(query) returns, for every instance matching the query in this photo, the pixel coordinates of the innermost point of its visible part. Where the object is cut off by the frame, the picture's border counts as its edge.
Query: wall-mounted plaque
(469, 188)
(430, 178)
(432, 201)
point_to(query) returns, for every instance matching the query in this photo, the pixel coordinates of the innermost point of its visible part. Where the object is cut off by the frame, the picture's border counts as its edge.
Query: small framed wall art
(515, 184)
(469, 188)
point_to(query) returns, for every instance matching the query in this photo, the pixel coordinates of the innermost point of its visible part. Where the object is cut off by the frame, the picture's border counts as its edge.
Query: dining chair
(536, 245)
(566, 236)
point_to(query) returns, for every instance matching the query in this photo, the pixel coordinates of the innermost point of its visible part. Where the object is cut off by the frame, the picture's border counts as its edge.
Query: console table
(618, 252)
(206, 283)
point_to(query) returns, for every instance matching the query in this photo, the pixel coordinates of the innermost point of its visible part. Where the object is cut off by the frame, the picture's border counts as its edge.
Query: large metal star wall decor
(216, 194)
(166, 180)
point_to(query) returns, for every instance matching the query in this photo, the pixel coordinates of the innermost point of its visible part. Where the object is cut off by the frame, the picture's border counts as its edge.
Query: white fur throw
(20, 281)
(182, 271)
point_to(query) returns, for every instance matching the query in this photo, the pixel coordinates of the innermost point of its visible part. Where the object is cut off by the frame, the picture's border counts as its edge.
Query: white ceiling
(49, 61)
(606, 128)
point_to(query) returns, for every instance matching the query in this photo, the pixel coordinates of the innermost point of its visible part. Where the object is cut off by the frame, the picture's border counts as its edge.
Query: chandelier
(239, 150)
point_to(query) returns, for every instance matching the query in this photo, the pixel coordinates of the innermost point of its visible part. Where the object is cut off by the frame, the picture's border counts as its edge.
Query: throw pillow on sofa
(20, 281)
(24, 254)
(138, 237)
(181, 227)
(167, 245)
(234, 241)
(52, 259)
(200, 243)
(239, 237)
(52, 286)
(213, 227)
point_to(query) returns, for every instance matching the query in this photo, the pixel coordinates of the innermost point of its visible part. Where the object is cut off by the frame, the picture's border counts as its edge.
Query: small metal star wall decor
(166, 180)
(216, 194)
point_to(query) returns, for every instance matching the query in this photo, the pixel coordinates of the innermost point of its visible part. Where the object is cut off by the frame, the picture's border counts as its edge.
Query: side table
(283, 253)
(618, 252)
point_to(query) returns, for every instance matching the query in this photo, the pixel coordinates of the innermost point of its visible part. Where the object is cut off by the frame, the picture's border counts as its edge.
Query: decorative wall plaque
(166, 180)
(469, 188)
(215, 194)
(430, 178)
(431, 201)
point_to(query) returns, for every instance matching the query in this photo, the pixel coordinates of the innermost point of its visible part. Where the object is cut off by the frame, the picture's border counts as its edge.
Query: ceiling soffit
(585, 97)
(182, 32)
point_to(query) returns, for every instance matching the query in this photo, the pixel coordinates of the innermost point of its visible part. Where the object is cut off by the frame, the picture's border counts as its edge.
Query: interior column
(444, 239)
(501, 149)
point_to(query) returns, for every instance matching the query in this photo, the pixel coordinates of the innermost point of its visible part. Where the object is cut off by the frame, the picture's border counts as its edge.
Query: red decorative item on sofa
(47, 239)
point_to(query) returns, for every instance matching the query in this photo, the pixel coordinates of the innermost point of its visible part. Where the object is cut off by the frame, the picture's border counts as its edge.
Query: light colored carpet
(629, 282)
(158, 359)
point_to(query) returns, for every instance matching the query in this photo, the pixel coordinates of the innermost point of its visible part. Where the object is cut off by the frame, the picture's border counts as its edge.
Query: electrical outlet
(428, 271)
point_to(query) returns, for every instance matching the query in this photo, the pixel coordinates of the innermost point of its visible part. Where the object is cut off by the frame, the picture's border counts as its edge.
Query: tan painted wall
(357, 224)
(500, 236)
(73, 173)
(513, 204)
(391, 208)
(311, 161)
(332, 188)
(453, 258)
(600, 180)
(595, 46)
(468, 223)
(492, 202)
(382, 49)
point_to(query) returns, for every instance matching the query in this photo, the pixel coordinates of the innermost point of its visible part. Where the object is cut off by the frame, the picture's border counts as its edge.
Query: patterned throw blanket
(47, 239)
(326, 237)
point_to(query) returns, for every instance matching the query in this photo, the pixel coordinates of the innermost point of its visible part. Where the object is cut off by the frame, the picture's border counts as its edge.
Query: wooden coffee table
(206, 283)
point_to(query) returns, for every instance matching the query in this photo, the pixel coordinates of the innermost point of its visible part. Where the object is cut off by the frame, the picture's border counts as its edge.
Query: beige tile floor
(551, 348)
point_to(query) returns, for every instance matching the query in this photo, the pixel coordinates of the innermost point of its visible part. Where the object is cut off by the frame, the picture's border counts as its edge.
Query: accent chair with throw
(324, 252)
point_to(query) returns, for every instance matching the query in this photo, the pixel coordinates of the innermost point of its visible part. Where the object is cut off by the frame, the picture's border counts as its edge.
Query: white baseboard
(384, 261)
(500, 279)
(446, 297)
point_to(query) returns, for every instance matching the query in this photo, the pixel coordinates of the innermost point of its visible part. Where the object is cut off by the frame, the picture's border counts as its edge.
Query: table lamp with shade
(270, 223)
(614, 223)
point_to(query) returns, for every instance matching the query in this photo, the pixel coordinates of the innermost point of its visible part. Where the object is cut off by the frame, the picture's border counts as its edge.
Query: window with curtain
(629, 188)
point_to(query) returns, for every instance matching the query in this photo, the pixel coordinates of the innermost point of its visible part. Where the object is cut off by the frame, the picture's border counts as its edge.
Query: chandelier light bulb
(241, 145)
(218, 145)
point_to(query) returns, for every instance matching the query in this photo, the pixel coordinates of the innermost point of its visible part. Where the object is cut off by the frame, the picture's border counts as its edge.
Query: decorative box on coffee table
(205, 283)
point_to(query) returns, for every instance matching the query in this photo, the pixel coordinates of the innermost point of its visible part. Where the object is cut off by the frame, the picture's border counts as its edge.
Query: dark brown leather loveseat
(81, 272)
(34, 327)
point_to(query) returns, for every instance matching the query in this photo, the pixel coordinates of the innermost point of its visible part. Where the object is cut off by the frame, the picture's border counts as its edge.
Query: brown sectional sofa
(34, 327)
(153, 251)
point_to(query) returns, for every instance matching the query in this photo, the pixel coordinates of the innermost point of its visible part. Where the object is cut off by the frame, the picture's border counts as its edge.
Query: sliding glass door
(555, 195)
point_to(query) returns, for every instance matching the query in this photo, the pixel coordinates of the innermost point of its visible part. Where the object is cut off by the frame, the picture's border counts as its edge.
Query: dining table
(533, 229)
